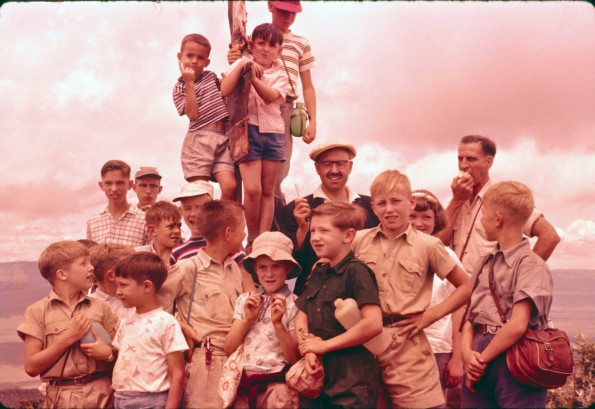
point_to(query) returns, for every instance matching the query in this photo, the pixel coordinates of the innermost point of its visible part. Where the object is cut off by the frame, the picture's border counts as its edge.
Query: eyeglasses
(147, 186)
(328, 164)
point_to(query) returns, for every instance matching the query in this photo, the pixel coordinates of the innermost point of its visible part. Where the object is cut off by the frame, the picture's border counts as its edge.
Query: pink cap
(292, 6)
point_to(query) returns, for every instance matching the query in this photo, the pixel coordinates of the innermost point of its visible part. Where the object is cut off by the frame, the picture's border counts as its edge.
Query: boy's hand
(78, 326)
(301, 212)
(278, 308)
(309, 133)
(312, 364)
(187, 73)
(414, 324)
(234, 53)
(257, 70)
(191, 338)
(253, 306)
(453, 373)
(475, 366)
(97, 350)
(312, 344)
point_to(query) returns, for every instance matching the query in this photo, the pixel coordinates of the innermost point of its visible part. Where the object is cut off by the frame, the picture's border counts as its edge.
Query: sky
(82, 83)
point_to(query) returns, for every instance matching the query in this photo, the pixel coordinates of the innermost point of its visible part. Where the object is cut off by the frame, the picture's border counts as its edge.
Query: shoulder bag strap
(470, 231)
(492, 286)
(288, 77)
(475, 284)
(192, 291)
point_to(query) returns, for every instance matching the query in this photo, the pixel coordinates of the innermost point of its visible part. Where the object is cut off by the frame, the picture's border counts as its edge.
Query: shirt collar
(54, 296)
(340, 267)
(206, 260)
(407, 234)
(320, 193)
(513, 253)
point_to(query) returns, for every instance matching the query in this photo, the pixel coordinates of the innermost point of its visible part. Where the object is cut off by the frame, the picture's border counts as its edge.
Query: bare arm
(301, 332)
(230, 81)
(454, 367)
(239, 328)
(268, 94)
(547, 238)
(367, 328)
(191, 106)
(39, 360)
(287, 339)
(175, 372)
(310, 102)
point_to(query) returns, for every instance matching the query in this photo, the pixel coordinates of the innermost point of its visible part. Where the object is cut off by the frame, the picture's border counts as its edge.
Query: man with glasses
(147, 185)
(333, 163)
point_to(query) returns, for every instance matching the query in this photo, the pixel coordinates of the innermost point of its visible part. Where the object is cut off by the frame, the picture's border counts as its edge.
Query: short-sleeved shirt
(519, 274)
(350, 278)
(143, 342)
(211, 106)
(305, 255)
(262, 350)
(47, 320)
(115, 303)
(130, 229)
(404, 267)
(478, 245)
(218, 286)
(298, 57)
(267, 116)
(190, 247)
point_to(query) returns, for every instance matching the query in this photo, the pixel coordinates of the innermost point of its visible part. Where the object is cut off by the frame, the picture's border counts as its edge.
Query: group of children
(166, 313)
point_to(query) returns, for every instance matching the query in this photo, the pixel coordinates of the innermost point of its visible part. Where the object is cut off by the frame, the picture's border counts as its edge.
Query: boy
(523, 285)
(164, 225)
(205, 151)
(350, 370)
(299, 59)
(120, 222)
(205, 288)
(149, 370)
(265, 125)
(147, 186)
(264, 324)
(53, 326)
(404, 261)
(104, 258)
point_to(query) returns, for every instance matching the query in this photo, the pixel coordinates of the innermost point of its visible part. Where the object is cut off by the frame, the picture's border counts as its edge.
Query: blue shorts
(265, 146)
(140, 400)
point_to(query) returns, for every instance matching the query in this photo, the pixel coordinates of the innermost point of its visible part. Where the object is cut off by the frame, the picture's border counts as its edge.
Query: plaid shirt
(130, 229)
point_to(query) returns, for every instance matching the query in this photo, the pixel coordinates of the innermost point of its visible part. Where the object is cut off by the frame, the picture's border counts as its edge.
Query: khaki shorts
(204, 153)
(409, 372)
(202, 380)
(96, 394)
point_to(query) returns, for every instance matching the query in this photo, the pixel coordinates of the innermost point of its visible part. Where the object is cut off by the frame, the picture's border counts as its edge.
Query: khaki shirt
(518, 274)
(48, 318)
(478, 245)
(217, 288)
(404, 267)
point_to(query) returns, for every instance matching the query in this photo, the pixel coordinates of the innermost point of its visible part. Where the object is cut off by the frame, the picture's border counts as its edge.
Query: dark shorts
(265, 146)
(497, 387)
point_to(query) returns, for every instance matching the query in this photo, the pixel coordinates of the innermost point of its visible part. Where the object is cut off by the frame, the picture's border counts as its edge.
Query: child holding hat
(264, 323)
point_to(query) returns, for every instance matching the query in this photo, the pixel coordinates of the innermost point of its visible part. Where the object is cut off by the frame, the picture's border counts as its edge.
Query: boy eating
(350, 370)
(264, 323)
(53, 326)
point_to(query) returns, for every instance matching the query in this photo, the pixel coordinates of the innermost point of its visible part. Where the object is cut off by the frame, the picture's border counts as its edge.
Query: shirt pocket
(410, 281)
(54, 329)
(214, 303)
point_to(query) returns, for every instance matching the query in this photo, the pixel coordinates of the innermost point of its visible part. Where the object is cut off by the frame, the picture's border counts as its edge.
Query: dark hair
(426, 200)
(217, 215)
(142, 266)
(343, 215)
(111, 165)
(104, 257)
(268, 32)
(196, 38)
(487, 145)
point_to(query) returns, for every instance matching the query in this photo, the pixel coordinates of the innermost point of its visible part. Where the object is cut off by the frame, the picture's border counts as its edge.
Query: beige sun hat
(327, 146)
(277, 246)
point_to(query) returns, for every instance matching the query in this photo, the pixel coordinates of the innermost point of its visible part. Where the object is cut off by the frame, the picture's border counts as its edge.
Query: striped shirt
(130, 229)
(191, 247)
(211, 106)
(298, 58)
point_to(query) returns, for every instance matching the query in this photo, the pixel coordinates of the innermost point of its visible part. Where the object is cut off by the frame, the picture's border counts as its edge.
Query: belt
(486, 329)
(388, 320)
(79, 380)
(197, 344)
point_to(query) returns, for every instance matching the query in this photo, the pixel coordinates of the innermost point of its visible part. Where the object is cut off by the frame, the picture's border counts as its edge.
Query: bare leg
(227, 183)
(251, 177)
(267, 200)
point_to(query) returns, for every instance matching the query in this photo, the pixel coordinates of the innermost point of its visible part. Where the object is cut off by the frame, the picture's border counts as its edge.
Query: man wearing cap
(333, 163)
(147, 185)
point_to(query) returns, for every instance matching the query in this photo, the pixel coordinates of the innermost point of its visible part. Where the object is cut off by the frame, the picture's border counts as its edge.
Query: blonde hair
(343, 215)
(162, 210)
(59, 255)
(388, 181)
(104, 257)
(513, 197)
